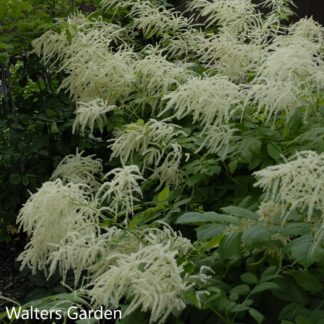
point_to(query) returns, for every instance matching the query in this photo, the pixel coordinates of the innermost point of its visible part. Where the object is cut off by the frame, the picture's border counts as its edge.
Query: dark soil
(8, 267)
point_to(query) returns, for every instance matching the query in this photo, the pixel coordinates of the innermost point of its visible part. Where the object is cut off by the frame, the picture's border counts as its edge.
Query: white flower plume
(168, 172)
(50, 214)
(210, 101)
(76, 252)
(233, 15)
(229, 56)
(155, 75)
(296, 184)
(76, 35)
(79, 169)
(149, 279)
(103, 75)
(153, 19)
(90, 113)
(142, 138)
(123, 190)
(288, 78)
(216, 138)
(281, 8)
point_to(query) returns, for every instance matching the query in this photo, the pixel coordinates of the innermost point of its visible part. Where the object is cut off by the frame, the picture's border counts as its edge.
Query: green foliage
(35, 121)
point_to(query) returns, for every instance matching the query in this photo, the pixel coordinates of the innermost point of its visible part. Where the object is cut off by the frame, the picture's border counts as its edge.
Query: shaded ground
(8, 267)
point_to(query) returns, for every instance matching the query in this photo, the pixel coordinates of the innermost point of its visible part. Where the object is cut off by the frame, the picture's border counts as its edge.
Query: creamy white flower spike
(105, 75)
(289, 77)
(151, 19)
(76, 35)
(54, 211)
(124, 3)
(216, 138)
(168, 172)
(149, 279)
(210, 101)
(185, 44)
(234, 16)
(281, 8)
(229, 56)
(91, 113)
(76, 252)
(123, 190)
(148, 139)
(296, 184)
(155, 75)
(79, 169)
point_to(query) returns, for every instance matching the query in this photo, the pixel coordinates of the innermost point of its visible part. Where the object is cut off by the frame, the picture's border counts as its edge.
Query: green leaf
(240, 212)
(232, 166)
(256, 234)
(163, 195)
(264, 287)
(303, 320)
(195, 217)
(274, 151)
(249, 278)
(240, 289)
(208, 231)
(256, 315)
(308, 281)
(230, 247)
(305, 251)
(269, 274)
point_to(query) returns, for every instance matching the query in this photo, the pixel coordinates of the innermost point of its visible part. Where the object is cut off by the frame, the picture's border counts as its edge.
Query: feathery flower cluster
(122, 189)
(286, 80)
(211, 101)
(234, 16)
(229, 56)
(216, 138)
(184, 44)
(296, 184)
(117, 261)
(149, 279)
(77, 252)
(105, 75)
(74, 39)
(147, 139)
(155, 75)
(50, 214)
(292, 72)
(82, 47)
(282, 8)
(123, 3)
(79, 169)
(156, 20)
(306, 29)
(90, 113)
(169, 173)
